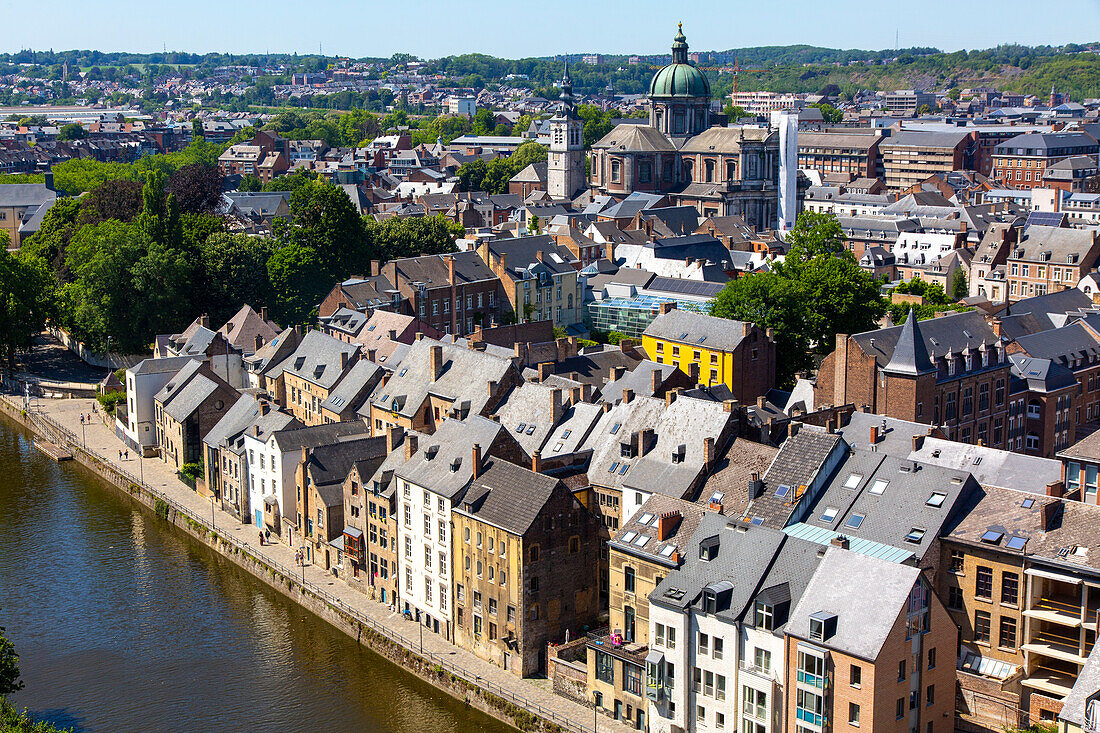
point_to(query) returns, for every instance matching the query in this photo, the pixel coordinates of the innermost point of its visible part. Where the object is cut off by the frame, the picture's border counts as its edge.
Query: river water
(126, 625)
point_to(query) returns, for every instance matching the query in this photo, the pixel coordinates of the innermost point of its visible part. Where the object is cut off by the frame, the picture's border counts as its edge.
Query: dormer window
(822, 625)
(764, 616)
(708, 548)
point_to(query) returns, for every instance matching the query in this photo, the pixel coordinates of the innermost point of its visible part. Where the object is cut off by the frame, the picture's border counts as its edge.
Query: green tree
(197, 133)
(250, 182)
(9, 666)
(484, 122)
(293, 271)
(959, 287)
(734, 112)
(326, 220)
(830, 113)
(26, 299)
(817, 292)
(235, 272)
(413, 236)
(72, 131)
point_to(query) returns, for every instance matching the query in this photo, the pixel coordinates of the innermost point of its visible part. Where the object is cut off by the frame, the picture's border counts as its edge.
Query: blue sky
(431, 28)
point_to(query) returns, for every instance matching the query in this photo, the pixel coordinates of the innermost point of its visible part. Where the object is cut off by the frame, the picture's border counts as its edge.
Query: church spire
(566, 97)
(679, 46)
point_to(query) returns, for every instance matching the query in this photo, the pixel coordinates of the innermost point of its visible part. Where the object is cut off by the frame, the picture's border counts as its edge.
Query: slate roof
(353, 387)
(463, 380)
(330, 464)
(159, 366)
(635, 138)
(866, 594)
(433, 269)
(186, 391)
(697, 330)
(25, 194)
(507, 496)
(593, 366)
(313, 436)
(318, 359)
(732, 472)
(1056, 245)
(244, 326)
(1042, 312)
(1065, 345)
(442, 463)
(527, 412)
(367, 291)
(270, 357)
(940, 336)
(1038, 375)
(522, 255)
(236, 419)
(910, 355)
(653, 549)
(797, 463)
(571, 431)
(639, 379)
(724, 139)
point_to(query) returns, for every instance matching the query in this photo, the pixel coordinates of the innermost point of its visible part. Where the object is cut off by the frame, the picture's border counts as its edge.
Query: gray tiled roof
(910, 355)
(507, 496)
(800, 460)
(527, 412)
(443, 461)
(318, 359)
(317, 435)
(353, 387)
(940, 335)
(159, 366)
(866, 594)
(991, 466)
(653, 548)
(697, 329)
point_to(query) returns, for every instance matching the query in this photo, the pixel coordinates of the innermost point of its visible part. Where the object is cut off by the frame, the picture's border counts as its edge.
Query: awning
(353, 533)
(654, 657)
(1050, 575)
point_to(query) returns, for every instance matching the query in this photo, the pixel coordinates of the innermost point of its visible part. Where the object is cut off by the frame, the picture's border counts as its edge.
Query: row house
(1045, 259)
(454, 293)
(951, 371)
(313, 371)
(539, 276)
(186, 409)
(852, 153)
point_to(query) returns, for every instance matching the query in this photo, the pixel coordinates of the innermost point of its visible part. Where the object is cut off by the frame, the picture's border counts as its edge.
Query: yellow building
(713, 350)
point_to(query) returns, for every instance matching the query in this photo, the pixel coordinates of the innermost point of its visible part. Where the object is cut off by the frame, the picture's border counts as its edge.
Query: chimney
(392, 334)
(746, 328)
(343, 360)
(616, 373)
(204, 320)
(667, 524)
(693, 373)
(708, 452)
(793, 427)
(475, 460)
(830, 425)
(536, 461)
(410, 445)
(265, 407)
(670, 397)
(259, 342)
(918, 442)
(546, 368)
(555, 404)
(756, 486)
(586, 392)
(539, 255)
(492, 388)
(305, 454)
(628, 395)
(375, 267)
(655, 381)
(451, 270)
(607, 407)
(840, 541)
(371, 354)
(874, 434)
(263, 313)
(419, 335)
(393, 437)
(437, 362)
(574, 395)
(1056, 489)
(761, 401)
(1050, 511)
(995, 325)
(666, 307)
(646, 442)
(729, 405)
(517, 350)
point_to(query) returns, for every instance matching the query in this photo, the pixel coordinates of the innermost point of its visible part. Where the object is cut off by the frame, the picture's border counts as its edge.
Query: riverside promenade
(59, 421)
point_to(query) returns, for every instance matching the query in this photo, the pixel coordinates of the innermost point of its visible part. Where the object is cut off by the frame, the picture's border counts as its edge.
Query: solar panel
(1016, 543)
(1044, 219)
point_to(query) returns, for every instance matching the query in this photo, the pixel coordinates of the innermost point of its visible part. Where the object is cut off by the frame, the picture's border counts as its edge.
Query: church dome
(680, 78)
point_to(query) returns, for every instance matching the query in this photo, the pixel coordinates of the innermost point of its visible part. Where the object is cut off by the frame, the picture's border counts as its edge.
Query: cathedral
(685, 151)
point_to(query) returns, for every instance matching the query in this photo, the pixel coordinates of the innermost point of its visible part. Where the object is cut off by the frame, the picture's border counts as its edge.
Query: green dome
(679, 80)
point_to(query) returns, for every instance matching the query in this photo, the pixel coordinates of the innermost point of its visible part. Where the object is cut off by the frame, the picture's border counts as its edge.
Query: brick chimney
(536, 461)
(375, 267)
(555, 404)
(667, 524)
(830, 425)
(761, 401)
(436, 362)
(746, 328)
(728, 405)
(607, 406)
(451, 270)
(204, 320)
(1056, 489)
(546, 368)
(305, 454)
(874, 434)
(645, 443)
(394, 434)
(517, 350)
(539, 255)
(655, 381)
(628, 395)
(492, 385)
(1050, 510)
(343, 360)
(670, 397)
(259, 342)
(615, 373)
(840, 541)
(666, 307)
(392, 334)
(708, 451)
(918, 442)
(475, 460)
(371, 354)
(410, 445)
(419, 335)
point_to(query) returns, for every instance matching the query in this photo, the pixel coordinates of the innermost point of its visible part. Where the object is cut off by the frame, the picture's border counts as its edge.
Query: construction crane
(737, 70)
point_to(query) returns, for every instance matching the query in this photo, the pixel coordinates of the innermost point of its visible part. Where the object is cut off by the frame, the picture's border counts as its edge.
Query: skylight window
(668, 550)
(629, 536)
(937, 499)
(854, 521)
(531, 429)
(829, 514)
(614, 466)
(521, 428)
(916, 534)
(403, 372)
(642, 540)
(716, 497)
(558, 447)
(623, 469)
(992, 537)
(615, 427)
(783, 490)
(646, 518)
(853, 480)
(879, 487)
(758, 521)
(1028, 503)
(565, 434)
(1016, 543)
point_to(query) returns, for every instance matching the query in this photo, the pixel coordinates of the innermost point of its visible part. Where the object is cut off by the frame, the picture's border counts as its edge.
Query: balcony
(1054, 682)
(1056, 610)
(1056, 646)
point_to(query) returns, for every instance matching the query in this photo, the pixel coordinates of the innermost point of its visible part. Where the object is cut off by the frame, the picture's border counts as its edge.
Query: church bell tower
(565, 165)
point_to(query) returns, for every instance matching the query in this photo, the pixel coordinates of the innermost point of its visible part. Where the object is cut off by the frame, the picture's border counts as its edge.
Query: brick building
(453, 293)
(1021, 162)
(911, 156)
(951, 371)
(854, 153)
(1046, 259)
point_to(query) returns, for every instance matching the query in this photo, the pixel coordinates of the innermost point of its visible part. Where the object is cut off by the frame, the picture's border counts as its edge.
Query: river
(126, 625)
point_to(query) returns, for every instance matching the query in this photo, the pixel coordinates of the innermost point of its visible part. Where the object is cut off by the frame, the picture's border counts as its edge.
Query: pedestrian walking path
(98, 438)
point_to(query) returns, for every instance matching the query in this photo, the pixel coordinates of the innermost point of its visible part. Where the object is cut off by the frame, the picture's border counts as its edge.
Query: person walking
(261, 539)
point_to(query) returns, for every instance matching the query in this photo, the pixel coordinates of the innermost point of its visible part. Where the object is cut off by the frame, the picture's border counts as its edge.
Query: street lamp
(141, 464)
(108, 354)
(213, 525)
(83, 439)
(421, 631)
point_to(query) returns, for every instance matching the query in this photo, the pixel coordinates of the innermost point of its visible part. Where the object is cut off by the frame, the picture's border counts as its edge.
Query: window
(717, 647)
(901, 671)
(628, 579)
(1010, 588)
(984, 585)
(704, 644)
(981, 627)
(1007, 638)
(956, 561)
(763, 660)
(755, 703)
(853, 714)
(659, 635)
(762, 617)
(632, 682)
(899, 709)
(671, 637)
(855, 676)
